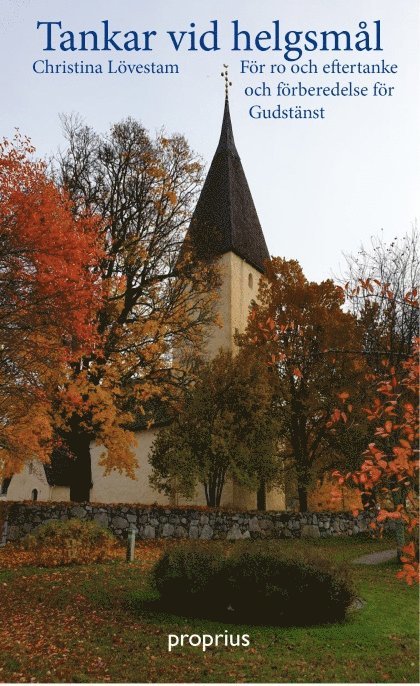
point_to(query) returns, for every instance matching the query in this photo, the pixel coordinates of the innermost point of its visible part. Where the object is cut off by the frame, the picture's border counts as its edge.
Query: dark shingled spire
(225, 218)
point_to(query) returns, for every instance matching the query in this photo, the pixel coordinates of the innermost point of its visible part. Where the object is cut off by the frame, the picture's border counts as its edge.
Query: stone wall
(171, 522)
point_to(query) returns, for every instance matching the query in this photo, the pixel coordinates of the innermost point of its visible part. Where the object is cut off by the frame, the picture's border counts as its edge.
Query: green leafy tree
(225, 429)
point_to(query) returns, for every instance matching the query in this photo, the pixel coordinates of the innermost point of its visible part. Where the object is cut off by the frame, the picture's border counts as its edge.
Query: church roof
(225, 218)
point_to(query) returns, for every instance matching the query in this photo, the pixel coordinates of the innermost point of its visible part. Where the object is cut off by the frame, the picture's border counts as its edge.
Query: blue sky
(321, 187)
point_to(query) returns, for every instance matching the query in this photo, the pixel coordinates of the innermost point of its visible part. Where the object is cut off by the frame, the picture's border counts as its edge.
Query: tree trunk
(214, 487)
(81, 470)
(262, 496)
(303, 498)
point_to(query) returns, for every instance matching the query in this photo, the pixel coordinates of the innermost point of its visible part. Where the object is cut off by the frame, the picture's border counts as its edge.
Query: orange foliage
(391, 464)
(303, 332)
(153, 302)
(49, 250)
(326, 497)
(48, 296)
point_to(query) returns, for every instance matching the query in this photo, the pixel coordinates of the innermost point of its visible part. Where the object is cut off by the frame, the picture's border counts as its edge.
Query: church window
(250, 280)
(34, 495)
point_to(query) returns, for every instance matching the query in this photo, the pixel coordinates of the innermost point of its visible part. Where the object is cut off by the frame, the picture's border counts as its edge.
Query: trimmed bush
(269, 587)
(188, 579)
(255, 585)
(70, 542)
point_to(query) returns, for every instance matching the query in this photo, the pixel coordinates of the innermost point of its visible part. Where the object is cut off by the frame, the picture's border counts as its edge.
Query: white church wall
(118, 488)
(60, 493)
(245, 499)
(31, 478)
(200, 497)
(275, 499)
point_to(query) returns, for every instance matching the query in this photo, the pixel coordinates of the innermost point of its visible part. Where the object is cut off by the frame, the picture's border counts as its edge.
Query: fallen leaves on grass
(13, 555)
(76, 624)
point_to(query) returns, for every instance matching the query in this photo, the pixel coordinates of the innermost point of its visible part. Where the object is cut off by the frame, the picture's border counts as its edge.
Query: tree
(302, 331)
(156, 307)
(390, 465)
(224, 429)
(48, 296)
(381, 284)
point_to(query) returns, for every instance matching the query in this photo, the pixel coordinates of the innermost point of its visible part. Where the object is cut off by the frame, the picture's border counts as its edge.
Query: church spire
(226, 141)
(225, 219)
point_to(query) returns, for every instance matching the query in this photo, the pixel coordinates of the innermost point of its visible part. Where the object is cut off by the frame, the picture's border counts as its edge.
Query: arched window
(35, 494)
(250, 280)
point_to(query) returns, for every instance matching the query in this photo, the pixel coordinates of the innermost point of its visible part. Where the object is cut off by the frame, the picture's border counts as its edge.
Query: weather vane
(225, 75)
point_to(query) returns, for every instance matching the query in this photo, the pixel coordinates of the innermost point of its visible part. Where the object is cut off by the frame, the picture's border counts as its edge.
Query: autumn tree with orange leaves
(304, 334)
(48, 299)
(156, 308)
(390, 468)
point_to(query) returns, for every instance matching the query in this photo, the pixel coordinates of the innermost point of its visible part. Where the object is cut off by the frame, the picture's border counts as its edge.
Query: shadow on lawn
(150, 607)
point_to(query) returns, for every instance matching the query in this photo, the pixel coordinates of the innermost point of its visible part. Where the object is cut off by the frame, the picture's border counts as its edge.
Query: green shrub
(187, 578)
(269, 587)
(70, 542)
(253, 585)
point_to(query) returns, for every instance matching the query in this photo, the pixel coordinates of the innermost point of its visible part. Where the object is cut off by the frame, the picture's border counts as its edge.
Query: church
(239, 245)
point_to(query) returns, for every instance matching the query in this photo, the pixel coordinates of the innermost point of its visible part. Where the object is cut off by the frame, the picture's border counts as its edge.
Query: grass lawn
(97, 623)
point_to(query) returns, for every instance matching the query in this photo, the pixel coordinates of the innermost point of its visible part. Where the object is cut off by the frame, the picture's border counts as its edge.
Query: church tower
(225, 225)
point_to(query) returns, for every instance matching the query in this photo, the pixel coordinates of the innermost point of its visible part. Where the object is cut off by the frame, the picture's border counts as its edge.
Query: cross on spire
(225, 75)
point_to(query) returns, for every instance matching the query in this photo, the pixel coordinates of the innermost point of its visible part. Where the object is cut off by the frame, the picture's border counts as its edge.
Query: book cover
(208, 268)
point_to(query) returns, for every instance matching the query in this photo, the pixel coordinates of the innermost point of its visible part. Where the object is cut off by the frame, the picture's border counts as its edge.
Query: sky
(321, 186)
